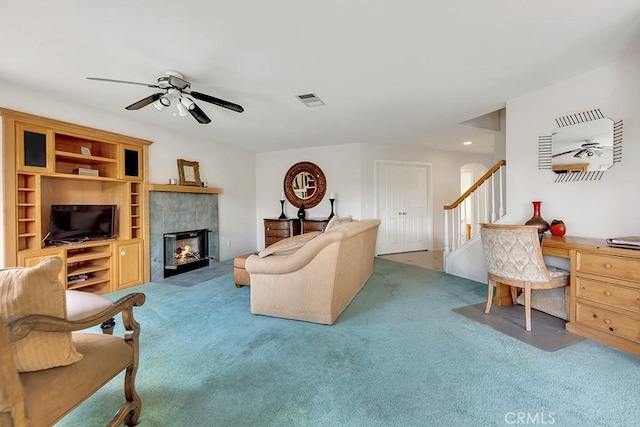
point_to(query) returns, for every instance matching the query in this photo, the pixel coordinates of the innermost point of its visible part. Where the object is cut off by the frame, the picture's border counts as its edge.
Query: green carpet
(397, 356)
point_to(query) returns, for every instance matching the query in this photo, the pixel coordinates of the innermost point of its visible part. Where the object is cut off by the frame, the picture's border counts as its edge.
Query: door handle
(402, 213)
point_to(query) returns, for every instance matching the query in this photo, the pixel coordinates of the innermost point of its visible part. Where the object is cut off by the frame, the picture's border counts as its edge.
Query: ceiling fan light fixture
(182, 110)
(158, 105)
(188, 103)
(165, 101)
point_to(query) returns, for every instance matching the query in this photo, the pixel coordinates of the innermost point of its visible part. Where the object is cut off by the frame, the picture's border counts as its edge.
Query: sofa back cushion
(37, 290)
(337, 220)
(289, 245)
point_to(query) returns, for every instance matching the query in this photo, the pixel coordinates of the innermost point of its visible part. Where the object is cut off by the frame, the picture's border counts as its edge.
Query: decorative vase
(282, 214)
(557, 228)
(301, 212)
(537, 219)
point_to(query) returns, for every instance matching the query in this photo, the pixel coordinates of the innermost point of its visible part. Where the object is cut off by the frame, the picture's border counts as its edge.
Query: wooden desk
(604, 290)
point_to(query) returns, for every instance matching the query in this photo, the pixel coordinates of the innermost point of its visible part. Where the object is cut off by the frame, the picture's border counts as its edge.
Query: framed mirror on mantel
(305, 184)
(582, 147)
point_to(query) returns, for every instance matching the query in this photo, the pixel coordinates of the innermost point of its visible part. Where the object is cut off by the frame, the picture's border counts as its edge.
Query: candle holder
(331, 215)
(282, 215)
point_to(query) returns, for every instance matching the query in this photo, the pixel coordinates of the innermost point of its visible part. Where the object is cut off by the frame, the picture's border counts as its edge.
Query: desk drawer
(609, 294)
(609, 322)
(610, 266)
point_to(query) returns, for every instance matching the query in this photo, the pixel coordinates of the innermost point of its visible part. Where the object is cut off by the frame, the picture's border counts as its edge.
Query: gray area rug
(547, 332)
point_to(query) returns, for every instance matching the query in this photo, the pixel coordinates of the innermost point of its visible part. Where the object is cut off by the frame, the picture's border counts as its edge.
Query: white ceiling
(390, 72)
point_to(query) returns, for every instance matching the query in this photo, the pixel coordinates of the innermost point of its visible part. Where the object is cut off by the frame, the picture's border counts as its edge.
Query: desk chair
(514, 257)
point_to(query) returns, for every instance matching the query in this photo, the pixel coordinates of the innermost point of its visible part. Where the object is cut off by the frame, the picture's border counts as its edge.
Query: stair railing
(483, 202)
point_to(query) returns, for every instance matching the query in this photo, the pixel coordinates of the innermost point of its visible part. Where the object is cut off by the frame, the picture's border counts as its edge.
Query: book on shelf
(628, 242)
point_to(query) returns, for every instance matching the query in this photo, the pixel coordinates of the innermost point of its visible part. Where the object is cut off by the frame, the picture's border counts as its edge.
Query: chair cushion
(289, 245)
(82, 304)
(51, 393)
(37, 290)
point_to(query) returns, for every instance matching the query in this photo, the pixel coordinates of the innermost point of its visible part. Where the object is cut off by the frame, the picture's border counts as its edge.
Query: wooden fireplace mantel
(184, 189)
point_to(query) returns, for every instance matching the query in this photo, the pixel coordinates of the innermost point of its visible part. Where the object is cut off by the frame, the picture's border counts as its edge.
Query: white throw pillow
(337, 220)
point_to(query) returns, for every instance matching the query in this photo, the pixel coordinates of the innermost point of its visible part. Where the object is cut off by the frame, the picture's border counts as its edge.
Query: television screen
(74, 223)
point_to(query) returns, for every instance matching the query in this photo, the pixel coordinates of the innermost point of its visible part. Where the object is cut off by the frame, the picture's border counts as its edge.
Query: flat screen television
(77, 223)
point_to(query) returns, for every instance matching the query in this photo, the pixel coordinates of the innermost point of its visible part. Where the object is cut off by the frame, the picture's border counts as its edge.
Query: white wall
(221, 166)
(349, 170)
(606, 208)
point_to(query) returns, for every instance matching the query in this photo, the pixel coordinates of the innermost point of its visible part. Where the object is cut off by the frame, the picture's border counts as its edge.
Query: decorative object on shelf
(332, 198)
(557, 228)
(282, 214)
(85, 151)
(537, 219)
(305, 183)
(189, 173)
(301, 213)
(173, 181)
(582, 147)
(205, 184)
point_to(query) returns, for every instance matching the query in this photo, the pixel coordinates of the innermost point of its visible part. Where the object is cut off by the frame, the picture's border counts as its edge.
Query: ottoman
(240, 275)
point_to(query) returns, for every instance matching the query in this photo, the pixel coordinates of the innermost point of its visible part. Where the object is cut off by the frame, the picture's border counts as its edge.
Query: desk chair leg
(527, 307)
(514, 295)
(490, 284)
(107, 327)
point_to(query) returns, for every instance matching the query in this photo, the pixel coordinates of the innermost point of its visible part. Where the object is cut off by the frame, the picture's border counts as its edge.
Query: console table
(314, 224)
(604, 290)
(276, 229)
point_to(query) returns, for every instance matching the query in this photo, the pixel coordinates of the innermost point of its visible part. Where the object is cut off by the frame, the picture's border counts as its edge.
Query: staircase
(483, 202)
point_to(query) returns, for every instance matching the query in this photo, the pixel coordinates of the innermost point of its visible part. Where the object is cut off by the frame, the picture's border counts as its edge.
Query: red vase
(557, 228)
(537, 219)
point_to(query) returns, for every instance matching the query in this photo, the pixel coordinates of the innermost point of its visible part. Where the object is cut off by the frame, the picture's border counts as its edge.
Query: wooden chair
(43, 397)
(514, 257)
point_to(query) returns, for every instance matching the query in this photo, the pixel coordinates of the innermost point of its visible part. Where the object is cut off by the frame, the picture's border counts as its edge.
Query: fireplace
(185, 251)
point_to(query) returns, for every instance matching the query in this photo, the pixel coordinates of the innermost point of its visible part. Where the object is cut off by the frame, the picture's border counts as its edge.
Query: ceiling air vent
(310, 100)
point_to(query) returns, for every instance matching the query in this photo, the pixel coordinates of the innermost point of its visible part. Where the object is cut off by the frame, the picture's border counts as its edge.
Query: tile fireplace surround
(171, 212)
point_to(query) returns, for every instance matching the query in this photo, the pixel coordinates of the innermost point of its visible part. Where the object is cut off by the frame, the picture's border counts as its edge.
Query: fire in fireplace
(185, 251)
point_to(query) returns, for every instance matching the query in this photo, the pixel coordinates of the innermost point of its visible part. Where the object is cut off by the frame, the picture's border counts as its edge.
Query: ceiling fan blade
(199, 115)
(100, 79)
(566, 152)
(145, 101)
(580, 153)
(217, 101)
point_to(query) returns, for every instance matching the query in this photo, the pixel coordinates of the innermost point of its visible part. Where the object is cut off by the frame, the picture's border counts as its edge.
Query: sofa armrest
(20, 327)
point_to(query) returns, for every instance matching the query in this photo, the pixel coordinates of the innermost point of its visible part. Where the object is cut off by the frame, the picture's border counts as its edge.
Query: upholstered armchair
(45, 370)
(514, 257)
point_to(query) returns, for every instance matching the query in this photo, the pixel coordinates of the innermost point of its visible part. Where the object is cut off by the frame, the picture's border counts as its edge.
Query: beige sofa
(318, 281)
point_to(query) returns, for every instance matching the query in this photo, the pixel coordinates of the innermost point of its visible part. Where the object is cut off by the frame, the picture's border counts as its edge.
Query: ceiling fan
(590, 148)
(174, 88)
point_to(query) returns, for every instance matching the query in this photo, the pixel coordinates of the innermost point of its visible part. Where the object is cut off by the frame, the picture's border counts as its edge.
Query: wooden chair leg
(527, 307)
(490, 285)
(514, 295)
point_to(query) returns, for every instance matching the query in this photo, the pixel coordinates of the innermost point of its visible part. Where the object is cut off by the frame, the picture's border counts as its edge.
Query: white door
(402, 200)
